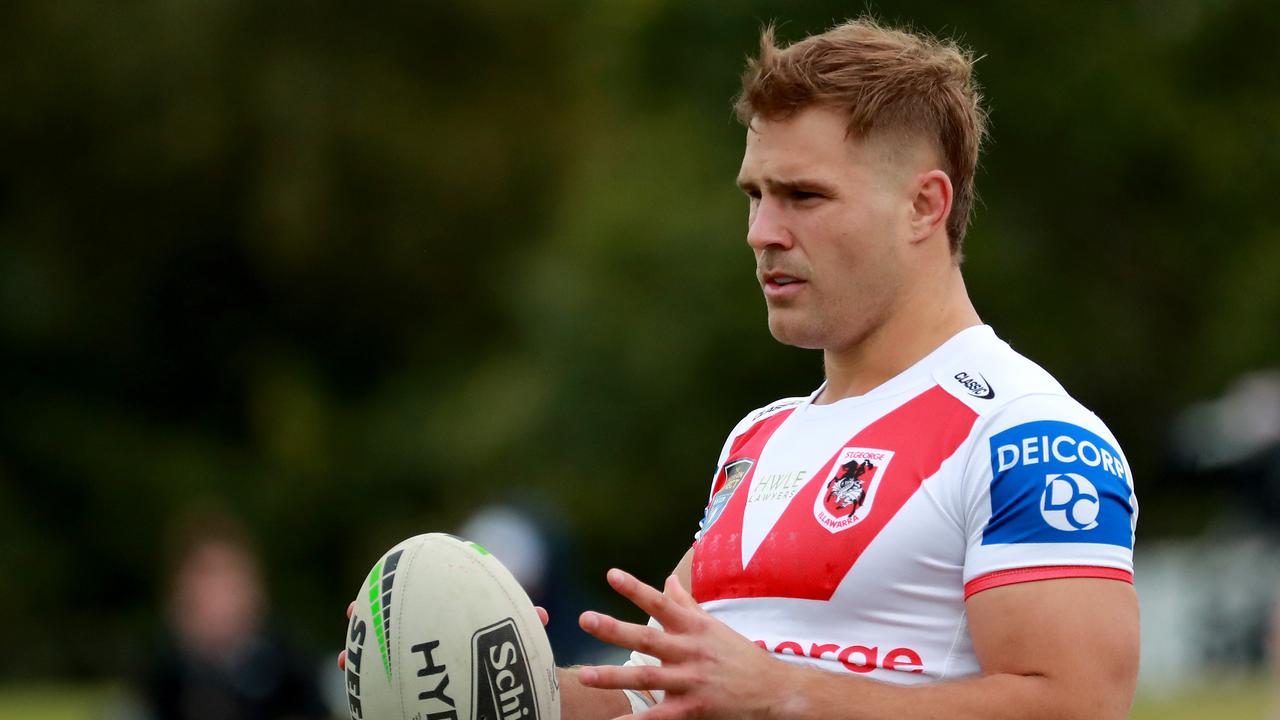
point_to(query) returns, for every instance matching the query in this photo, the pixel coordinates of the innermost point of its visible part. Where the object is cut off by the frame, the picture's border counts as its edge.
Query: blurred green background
(355, 270)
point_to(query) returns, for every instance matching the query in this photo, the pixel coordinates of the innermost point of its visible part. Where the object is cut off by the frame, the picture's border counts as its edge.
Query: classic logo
(977, 388)
(776, 407)
(1069, 502)
(503, 686)
(734, 473)
(846, 497)
(381, 579)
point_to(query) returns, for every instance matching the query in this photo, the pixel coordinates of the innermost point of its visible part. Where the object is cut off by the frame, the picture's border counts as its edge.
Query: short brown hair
(886, 80)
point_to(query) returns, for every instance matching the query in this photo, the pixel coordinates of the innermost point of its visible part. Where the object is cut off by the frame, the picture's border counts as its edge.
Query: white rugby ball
(442, 631)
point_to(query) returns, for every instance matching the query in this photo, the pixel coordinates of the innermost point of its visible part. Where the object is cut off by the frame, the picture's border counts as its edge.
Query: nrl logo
(848, 493)
(734, 472)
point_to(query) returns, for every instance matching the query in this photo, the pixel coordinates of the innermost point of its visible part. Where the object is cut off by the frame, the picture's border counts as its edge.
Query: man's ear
(931, 204)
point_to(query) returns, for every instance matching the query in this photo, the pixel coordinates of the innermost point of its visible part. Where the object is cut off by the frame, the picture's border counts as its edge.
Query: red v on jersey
(799, 558)
(749, 445)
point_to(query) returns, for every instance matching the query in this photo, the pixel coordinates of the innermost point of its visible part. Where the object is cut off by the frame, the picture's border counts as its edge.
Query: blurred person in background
(219, 659)
(1228, 447)
(526, 543)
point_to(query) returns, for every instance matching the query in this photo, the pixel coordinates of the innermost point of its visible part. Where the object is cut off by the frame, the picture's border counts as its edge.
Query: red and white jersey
(848, 535)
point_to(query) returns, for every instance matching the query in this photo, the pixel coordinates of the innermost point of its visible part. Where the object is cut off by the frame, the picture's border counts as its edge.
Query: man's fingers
(669, 709)
(678, 593)
(342, 655)
(542, 614)
(640, 677)
(647, 598)
(644, 638)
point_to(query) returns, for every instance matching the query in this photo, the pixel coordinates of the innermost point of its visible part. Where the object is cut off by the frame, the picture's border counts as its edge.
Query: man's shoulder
(1013, 395)
(774, 408)
(759, 418)
(764, 413)
(990, 376)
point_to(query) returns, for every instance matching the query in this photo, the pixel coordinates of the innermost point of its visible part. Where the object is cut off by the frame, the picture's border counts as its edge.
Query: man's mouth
(777, 279)
(780, 287)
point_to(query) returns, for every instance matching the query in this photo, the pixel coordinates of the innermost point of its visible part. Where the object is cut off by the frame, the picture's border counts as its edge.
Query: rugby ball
(442, 631)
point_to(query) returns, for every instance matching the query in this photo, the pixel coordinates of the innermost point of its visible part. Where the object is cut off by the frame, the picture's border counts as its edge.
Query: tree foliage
(355, 270)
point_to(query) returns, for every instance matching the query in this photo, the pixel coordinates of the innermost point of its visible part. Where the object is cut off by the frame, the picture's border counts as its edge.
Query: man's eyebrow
(788, 186)
(802, 183)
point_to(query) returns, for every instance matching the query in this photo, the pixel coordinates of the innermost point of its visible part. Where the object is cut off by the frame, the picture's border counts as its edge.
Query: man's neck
(914, 330)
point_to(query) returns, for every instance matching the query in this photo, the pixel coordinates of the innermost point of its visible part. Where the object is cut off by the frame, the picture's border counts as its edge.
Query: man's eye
(804, 195)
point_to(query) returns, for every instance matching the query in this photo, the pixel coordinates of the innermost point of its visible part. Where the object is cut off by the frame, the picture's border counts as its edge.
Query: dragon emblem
(847, 488)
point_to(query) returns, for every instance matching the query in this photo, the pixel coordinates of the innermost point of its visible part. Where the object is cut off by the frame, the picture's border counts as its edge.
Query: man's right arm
(579, 702)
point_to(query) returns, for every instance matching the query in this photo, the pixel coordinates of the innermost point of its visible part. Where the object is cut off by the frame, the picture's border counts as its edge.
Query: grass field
(1225, 701)
(51, 702)
(1228, 700)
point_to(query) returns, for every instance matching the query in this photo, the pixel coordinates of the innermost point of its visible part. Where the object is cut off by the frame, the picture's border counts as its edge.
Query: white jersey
(849, 535)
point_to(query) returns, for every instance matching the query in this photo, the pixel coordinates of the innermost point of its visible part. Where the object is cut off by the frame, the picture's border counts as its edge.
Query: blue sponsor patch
(1054, 482)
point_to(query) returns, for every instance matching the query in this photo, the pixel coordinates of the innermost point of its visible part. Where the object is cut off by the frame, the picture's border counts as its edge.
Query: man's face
(828, 224)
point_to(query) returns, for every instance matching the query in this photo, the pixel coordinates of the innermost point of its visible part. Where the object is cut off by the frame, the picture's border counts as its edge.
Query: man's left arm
(1063, 649)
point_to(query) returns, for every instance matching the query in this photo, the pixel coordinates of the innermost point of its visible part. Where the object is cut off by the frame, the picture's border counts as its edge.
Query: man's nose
(766, 226)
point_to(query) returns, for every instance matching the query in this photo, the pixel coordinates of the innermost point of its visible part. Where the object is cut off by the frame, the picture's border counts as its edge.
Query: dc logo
(1069, 502)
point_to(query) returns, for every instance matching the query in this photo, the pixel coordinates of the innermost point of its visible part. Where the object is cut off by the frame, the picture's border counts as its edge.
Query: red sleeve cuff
(1031, 574)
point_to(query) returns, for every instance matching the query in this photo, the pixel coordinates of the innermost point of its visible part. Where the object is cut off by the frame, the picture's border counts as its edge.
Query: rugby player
(939, 530)
(979, 565)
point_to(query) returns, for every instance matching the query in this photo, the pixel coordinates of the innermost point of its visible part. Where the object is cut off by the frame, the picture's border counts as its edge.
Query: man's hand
(342, 654)
(708, 670)
(1081, 666)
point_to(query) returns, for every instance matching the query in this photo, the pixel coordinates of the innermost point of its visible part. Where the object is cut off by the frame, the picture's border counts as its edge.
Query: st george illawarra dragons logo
(846, 491)
(849, 492)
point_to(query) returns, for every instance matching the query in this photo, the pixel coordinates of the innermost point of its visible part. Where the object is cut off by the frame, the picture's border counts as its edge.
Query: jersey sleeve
(719, 476)
(1049, 495)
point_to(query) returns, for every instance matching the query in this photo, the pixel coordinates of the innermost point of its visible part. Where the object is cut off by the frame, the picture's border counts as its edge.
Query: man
(219, 656)
(939, 516)
(939, 530)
